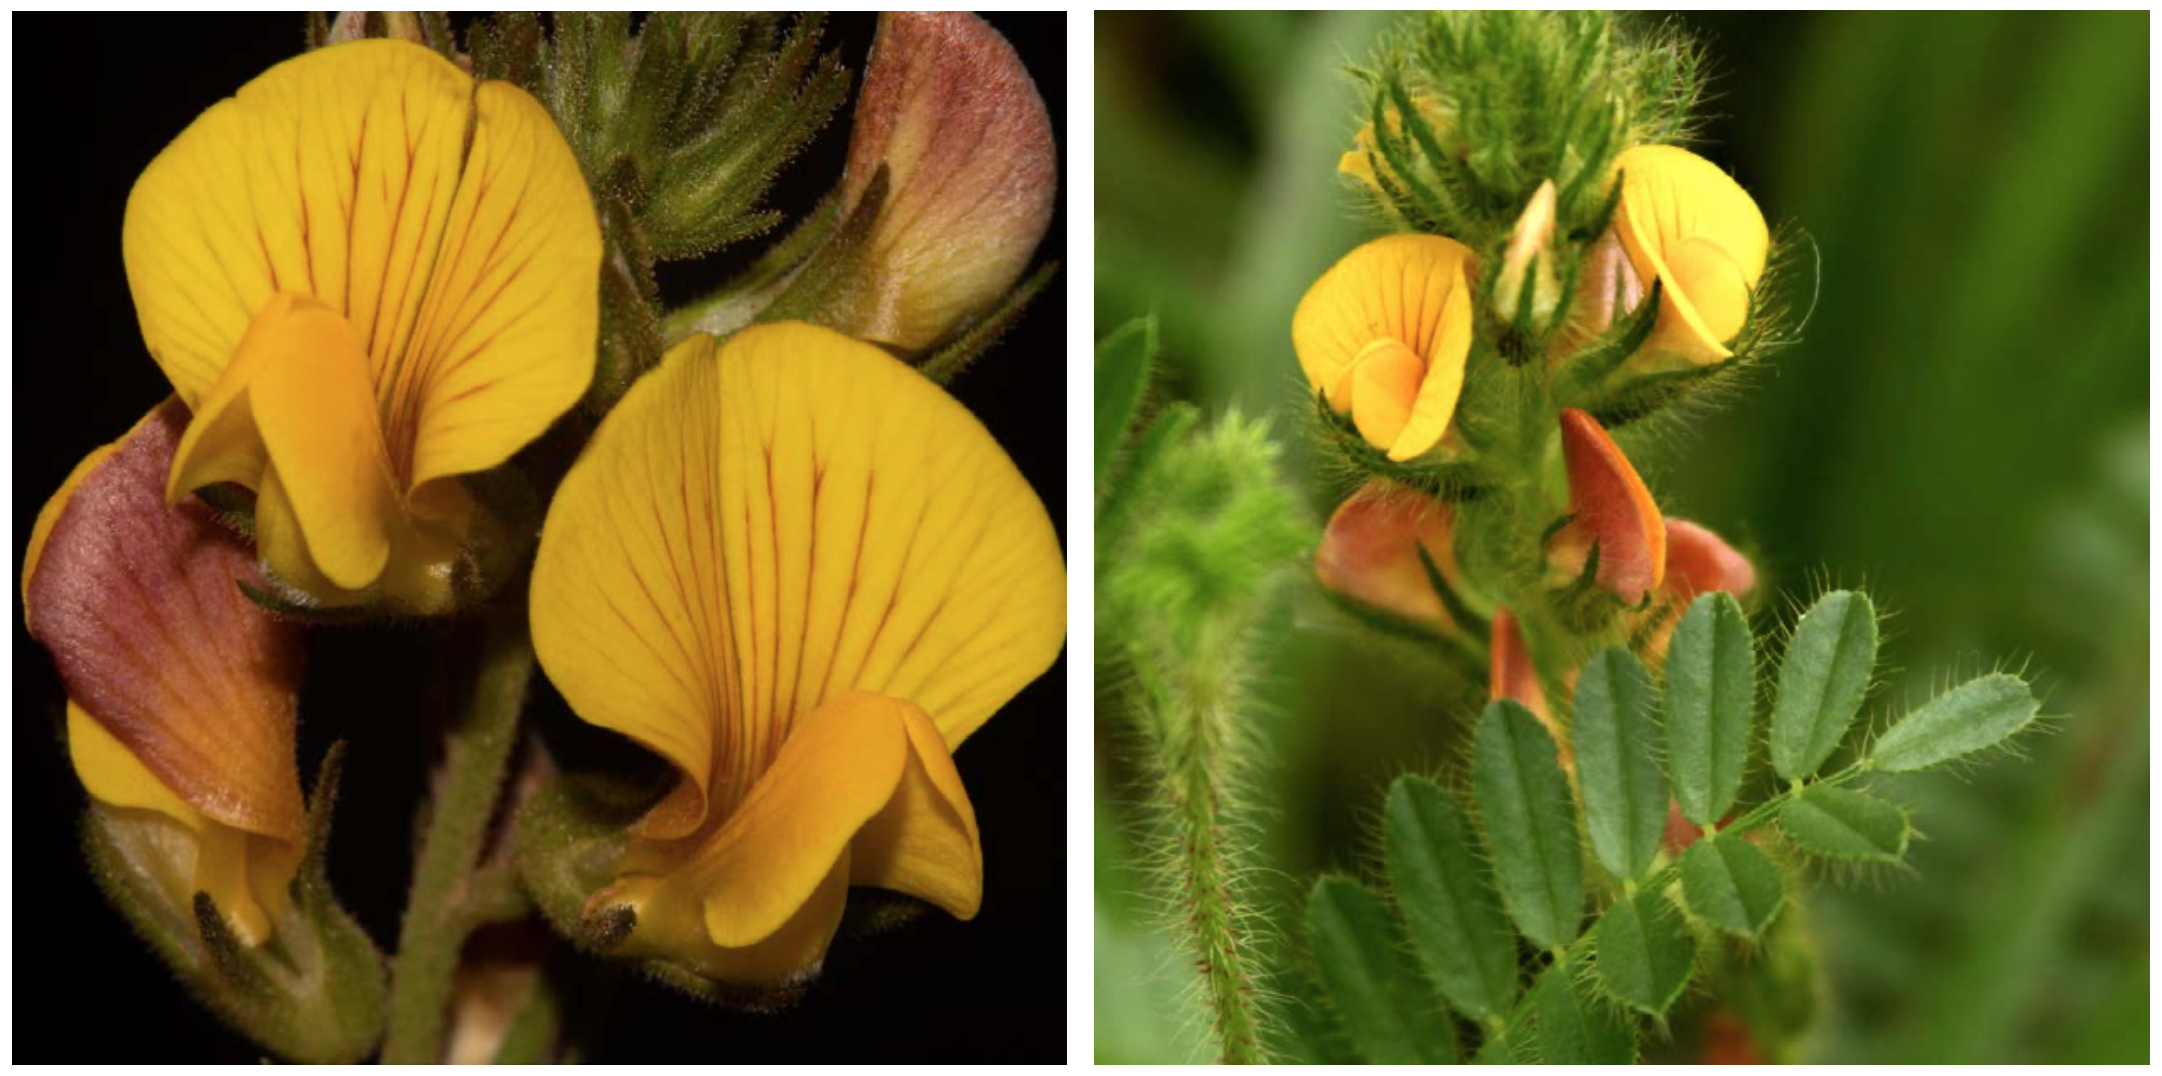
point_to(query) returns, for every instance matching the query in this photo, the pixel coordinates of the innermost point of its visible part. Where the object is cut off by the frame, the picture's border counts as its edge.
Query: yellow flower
(181, 691)
(1383, 336)
(1688, 225)
(803, 574)
(366, 275)
(972, 170)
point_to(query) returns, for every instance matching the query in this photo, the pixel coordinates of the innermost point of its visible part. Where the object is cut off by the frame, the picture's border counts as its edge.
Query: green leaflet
(1123, 360)
(1974, 716)
(1710, 696)
(1572, 1026)
(1384, 1007)
(1454, 923)
(1837, 823)
(1645, 952)
(1822, 681)
(1625, 796)
(1731, 884)
(1531, 835)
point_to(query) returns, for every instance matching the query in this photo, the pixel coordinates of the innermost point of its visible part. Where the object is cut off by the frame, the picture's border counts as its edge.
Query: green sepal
(1443, 479)
(630, 328)
(1387, 1011)
(1582, 373)
(1730, 883)
(1124, 361)
(1644, 952)
(316, 992)
(1838, 823)
(836, 267)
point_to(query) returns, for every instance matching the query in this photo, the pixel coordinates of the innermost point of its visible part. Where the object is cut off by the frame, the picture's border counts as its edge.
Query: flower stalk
(446, 898)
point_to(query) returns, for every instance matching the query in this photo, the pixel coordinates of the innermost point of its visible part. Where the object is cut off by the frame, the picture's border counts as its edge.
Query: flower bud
(1370, 554)
(950, 113)
(1698, 562)
(1610, 509)
(1511, 675)
(1608, 290)
(1528, 262)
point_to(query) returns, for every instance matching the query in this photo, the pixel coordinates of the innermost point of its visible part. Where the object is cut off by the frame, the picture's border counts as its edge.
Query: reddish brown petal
(1613, 509)
(1370, 553)
(950, 111)
(1699, 562)
(138, 604)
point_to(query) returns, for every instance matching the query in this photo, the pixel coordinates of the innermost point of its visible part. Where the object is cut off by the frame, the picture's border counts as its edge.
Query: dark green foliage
(1975, 716)
(1710, 704)
(1388, 1012)
(1625, 794)
(1570, 1025)
(1451, 914)
(1645, 953)
(1838, 823)
(1531, 834)
(1822, 680)
(1732, 885)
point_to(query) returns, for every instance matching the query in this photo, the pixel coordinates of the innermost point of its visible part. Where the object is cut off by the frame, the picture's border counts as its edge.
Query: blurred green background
(1963, 429)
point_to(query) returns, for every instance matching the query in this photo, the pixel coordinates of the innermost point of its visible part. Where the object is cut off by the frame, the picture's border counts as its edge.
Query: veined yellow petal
(506, 338)
(330, 176)
(757, 530)
(1385, 381)
(136, 601)
(1398, 287)
(924, 843)
(1435, 407)
(1695, 229)
(111, 773)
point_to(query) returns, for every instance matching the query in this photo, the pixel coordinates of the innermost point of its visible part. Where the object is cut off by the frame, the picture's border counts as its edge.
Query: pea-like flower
(1384, 335)
(181, 691)
(803, 574)
(1370, 553)
(366, 276)
(950, 112)
(1687, 225)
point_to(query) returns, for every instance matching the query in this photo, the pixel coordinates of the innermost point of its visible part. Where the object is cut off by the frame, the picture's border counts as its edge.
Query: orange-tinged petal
(50, 514)
(1370, 552)
(758, 529)
(1690, 225)
(950, 111)
(924, 843)
(137, 603)
(1511, 674)
(1699, 562)
(330, 175)
(505, 340)
(1613, 509)
(1401, 288)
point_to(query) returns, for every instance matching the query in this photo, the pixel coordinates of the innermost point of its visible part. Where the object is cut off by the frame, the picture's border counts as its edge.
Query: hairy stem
(476, 755)
(1190, 722)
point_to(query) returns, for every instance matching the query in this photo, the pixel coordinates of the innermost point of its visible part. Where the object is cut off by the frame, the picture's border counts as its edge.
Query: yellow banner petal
(1690, 225)
(507, 335)
(758, 529)
(330, 176)
(137, 603)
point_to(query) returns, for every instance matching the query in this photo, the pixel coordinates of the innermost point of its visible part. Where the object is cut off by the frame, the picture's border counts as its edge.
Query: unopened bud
(1370, 554)
(950, 113)
(1528, 263)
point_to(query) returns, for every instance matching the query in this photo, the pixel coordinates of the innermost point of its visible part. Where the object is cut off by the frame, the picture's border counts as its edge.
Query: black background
(102, 98)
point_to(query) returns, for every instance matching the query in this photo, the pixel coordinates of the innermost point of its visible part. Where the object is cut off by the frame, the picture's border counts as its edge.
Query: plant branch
(440, 912)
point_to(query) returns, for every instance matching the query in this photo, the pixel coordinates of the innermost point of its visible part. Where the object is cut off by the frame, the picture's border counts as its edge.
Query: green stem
(476, 756)
(1190, 723)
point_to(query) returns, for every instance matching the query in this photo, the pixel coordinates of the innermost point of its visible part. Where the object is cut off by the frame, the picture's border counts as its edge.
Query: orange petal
(1370, 552)
(1613, 509)
(137, 603)
(1512, 675)
(1699, 562)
